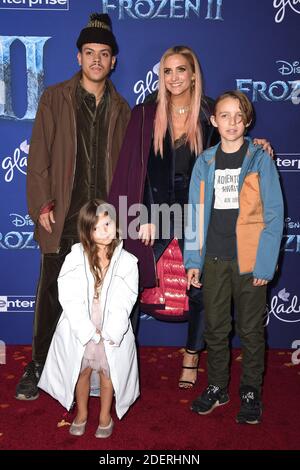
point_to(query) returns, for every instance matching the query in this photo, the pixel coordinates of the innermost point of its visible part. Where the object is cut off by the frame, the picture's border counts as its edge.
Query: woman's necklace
(180, 109)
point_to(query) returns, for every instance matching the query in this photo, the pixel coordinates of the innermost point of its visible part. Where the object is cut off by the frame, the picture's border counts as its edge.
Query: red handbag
(168, 301)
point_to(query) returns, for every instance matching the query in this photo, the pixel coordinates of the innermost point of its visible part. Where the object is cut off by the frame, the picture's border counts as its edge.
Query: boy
(234, 237)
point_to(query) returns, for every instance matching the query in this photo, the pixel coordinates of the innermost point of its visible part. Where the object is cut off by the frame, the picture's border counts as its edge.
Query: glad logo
(142, 88)
(16, 163)
(281, 6)
(285, 307)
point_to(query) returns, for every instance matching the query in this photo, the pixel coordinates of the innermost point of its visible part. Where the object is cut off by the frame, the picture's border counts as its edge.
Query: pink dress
(94, 355)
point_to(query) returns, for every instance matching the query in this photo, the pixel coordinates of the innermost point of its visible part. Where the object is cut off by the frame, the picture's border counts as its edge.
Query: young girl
(98, 286)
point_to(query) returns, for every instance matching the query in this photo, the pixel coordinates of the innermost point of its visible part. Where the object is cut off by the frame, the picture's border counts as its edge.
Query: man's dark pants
(47, 307)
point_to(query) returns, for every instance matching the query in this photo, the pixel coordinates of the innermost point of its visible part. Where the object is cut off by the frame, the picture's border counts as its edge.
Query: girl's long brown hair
(163, 113)
(87, 219)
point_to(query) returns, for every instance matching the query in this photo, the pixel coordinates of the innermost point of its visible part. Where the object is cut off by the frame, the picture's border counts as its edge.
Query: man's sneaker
(212, 397)
(251, 407)
(27, 387)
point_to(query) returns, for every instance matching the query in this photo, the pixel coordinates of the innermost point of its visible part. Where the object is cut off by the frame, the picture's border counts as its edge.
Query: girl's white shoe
(77, 429)
(105, 431)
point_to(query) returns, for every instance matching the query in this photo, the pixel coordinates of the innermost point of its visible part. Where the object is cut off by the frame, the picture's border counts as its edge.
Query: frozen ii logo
(34, 49)
(291, 241)
(282, 5)
(279, 90)
(163, 9)
(21, 237)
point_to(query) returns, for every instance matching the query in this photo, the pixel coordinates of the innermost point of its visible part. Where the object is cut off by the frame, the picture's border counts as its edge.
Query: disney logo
(17, 241)
(288, 310)
(16, 162)
(290, 224)
(286, 68)
(20, 221)
(281, 6)
(148, 86)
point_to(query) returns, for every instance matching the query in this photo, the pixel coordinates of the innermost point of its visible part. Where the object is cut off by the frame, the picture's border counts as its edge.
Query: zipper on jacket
(109, 163)
(142, 152)
(75, 134)
(71, 189)
(140, 196)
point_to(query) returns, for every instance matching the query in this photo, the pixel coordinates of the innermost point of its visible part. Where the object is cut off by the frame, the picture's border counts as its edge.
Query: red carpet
(161, 418)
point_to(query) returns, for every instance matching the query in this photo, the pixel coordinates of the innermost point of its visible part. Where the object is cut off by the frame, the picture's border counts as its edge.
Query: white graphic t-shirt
(221, 238)
(226, 188)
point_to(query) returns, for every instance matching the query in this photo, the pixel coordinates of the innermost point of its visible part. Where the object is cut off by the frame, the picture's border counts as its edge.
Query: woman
(161, 144)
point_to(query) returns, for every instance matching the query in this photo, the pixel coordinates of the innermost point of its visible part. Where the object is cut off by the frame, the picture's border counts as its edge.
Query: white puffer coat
(74, 329)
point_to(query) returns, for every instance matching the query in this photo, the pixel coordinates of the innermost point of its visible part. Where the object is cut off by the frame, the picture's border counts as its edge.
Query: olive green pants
(222, 283)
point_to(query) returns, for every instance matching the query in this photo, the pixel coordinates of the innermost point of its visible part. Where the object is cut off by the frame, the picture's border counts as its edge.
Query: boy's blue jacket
(260, 221)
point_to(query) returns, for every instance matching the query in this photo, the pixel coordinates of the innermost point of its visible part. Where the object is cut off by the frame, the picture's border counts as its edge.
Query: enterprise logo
(17, 303)
(288, 162)
(34, 5)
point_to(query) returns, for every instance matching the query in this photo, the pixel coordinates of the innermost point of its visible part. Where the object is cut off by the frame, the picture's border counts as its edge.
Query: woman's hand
(259, 282)
(147, 234)
(265, 145)
(193, 276)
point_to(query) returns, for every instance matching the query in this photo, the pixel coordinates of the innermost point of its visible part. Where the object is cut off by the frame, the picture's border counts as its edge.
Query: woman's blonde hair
(163, 112)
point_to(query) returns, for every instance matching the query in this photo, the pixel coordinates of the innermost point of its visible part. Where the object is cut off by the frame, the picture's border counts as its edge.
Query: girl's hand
(265, 145)
(193, 276)
(147, 234)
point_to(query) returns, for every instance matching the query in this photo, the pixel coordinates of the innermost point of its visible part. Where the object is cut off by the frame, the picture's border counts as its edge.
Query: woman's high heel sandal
(189, 383)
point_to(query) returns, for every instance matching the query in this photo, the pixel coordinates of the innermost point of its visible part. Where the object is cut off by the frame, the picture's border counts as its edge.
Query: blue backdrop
(249, 45)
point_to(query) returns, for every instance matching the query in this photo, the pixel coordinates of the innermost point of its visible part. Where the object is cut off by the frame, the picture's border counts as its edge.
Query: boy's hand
(193, 276)
(265, 145)
(259, 282)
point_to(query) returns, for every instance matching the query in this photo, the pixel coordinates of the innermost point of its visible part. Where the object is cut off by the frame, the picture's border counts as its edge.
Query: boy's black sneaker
(251, 407)
(212, 397)
(27, 387)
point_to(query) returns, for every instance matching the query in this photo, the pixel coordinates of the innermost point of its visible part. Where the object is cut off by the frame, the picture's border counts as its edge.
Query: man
(76, 139)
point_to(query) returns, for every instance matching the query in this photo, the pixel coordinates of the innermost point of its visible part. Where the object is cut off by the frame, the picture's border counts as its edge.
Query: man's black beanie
(99, 31)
